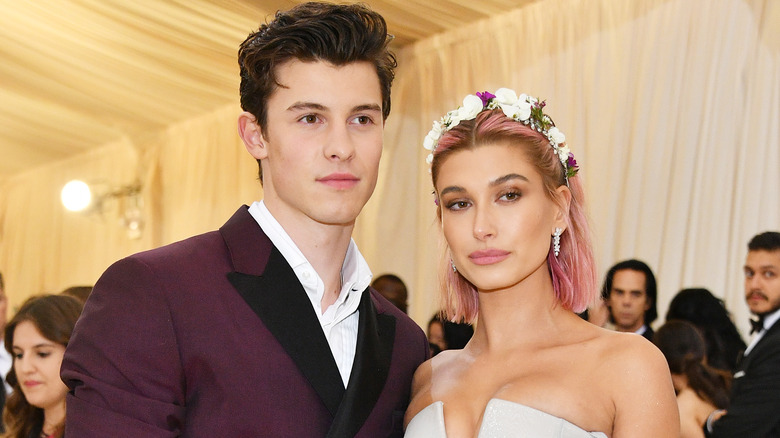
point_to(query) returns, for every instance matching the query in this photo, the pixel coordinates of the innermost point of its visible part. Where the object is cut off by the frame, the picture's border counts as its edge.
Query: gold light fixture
(78, 196)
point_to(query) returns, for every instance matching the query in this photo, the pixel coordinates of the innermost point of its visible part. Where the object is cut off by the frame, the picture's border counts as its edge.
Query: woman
(700, 388)
(708, 313)
(36, 337)
(518, 262)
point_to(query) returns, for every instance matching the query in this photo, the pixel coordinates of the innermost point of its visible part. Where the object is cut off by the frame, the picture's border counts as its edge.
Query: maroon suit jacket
(215, 337)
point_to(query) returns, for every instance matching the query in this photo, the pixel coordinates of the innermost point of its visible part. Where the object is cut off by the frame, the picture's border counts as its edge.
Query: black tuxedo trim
(278, 298)
(376, 334)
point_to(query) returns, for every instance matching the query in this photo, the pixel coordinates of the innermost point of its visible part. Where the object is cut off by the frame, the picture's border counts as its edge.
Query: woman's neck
(528, 308)
(53, 418)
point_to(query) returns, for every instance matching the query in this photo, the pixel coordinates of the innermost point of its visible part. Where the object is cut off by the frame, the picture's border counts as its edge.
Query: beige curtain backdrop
(671, 107)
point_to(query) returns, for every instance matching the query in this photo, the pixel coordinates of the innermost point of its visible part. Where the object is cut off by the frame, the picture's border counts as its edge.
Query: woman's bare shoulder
(424, 378)
(641, 387)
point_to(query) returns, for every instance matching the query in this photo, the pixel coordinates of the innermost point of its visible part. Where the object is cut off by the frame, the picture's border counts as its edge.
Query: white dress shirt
(5, 366)
(340, 320)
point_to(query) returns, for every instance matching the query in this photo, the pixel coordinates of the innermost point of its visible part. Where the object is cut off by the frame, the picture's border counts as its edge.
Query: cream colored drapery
(671, 107)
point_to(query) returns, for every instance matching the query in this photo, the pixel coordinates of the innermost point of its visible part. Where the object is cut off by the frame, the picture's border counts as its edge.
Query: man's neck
(325, 247)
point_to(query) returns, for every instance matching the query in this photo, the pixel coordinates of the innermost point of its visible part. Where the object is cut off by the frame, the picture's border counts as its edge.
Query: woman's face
(37, 363)
(496, 217)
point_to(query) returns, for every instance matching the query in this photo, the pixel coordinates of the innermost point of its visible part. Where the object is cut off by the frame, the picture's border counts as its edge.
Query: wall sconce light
(79, 196)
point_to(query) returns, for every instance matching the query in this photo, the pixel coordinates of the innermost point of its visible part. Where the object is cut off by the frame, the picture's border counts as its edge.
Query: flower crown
(524, 109)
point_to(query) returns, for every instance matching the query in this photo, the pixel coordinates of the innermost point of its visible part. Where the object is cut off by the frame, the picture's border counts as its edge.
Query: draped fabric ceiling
(77, 74)
(671, 107)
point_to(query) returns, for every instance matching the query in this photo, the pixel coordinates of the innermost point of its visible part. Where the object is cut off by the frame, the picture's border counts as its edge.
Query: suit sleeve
(753, 410)
(122, 364)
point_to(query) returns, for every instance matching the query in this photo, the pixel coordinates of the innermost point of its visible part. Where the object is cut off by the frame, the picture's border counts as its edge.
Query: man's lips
(488, 256)
(756, 296)
(339, 180)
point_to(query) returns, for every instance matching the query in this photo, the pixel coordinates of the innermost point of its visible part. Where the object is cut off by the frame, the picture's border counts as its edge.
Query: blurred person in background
(80, 293)
(630, 292)
(36, 337)
(700, 388)
(708, 313)
(393, 288)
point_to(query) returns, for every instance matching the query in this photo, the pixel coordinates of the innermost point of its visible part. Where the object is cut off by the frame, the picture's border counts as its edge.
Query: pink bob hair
(573, 272)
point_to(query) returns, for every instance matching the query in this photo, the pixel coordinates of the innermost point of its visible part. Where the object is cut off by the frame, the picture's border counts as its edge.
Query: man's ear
(250, 133)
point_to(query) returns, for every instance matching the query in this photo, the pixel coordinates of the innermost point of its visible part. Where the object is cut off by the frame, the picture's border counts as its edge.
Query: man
(630, 293)
(392, 288)
(755, 391)
(267, 327)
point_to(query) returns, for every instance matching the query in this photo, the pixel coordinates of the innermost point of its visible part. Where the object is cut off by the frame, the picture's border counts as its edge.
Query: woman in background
(708, 313)
(700, 388)
(518, 262)
(36, 337)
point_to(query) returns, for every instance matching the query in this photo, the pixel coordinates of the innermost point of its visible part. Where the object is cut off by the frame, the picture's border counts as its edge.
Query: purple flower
(485, 96)
(571, 162)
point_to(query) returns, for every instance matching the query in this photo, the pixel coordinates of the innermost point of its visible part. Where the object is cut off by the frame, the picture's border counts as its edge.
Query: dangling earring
(557, 241)
(452, 263)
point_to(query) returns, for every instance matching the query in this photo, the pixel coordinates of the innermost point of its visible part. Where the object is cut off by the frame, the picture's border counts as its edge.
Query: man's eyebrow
(306, 105)
(320, 107)
(367, 107)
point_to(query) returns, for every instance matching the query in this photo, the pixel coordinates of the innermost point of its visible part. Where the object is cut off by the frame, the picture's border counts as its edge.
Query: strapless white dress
(502, 419)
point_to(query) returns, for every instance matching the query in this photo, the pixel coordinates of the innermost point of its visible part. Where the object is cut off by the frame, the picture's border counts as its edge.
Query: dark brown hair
(684, 349)
(54, 316)
(338, 34)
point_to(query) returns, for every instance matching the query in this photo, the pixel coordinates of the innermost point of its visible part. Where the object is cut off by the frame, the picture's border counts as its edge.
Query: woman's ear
(252, 135)
(562, 202)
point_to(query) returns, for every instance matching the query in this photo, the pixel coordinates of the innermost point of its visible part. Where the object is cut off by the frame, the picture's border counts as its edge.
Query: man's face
(762, 281)
(322, 144)
(393, 291)
(628, 300)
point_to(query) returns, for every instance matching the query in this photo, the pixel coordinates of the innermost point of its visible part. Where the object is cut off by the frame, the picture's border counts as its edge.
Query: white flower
(563, 154)
(515, 112)
(505, 96)
(516, 107)
(472, 105)
(523, 110)
(556, 135)
(431, 140)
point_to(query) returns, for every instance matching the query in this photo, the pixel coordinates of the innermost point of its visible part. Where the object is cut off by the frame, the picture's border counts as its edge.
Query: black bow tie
(756, 325)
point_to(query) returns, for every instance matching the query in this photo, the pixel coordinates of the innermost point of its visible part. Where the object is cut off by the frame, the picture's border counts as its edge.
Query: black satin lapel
(278, 298)
(376, 334)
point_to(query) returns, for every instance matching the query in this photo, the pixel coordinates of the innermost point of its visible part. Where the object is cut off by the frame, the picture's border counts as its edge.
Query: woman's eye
(309, 118)
(510, 196)
(18, 356)
(44, 354)
(457, 205)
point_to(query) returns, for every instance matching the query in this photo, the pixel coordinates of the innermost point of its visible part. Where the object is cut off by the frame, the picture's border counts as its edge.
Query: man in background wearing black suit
(755, 394)
(629, 292)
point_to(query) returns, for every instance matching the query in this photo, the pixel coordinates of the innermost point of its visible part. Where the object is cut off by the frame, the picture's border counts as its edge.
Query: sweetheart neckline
(440, 411)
